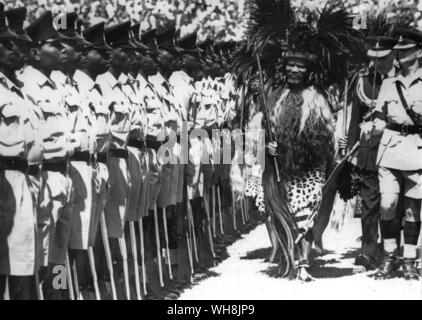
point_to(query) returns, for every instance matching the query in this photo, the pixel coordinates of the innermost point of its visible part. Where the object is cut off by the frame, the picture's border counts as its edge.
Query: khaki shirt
(96, 106)
(17, 133)
(77, 112)
(138, 113)
(397, 150)
(120, 108)
(170, 114)
(55, 128)
(154, 106)
(183, 90)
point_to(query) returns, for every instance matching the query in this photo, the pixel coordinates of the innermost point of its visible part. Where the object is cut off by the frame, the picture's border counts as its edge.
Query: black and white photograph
(197, 151)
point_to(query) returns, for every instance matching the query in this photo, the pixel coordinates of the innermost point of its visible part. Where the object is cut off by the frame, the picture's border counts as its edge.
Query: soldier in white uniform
(18, 148)
(120, 110)
(55, 211)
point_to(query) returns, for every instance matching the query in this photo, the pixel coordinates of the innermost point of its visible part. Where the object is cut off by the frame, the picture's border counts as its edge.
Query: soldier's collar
(112, 81)
(143, 83)
(41, 79)
(81, 77)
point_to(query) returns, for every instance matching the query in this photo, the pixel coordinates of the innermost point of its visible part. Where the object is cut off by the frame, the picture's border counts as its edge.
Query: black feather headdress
(323, 38)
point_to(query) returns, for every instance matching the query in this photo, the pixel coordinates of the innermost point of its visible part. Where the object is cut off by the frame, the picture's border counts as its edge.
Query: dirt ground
(244, 275)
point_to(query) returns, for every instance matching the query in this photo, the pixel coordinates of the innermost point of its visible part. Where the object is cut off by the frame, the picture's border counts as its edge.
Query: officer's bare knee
(388, 205)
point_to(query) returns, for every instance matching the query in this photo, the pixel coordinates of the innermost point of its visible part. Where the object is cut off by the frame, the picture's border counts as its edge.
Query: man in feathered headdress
(310, 55)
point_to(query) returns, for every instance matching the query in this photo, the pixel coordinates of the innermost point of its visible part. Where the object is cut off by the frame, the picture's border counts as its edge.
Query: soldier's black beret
(16, 18)
(95, 35)
(134, 37)
(69, 29)
(189, 43)
(117, 36)
(166, 39)
(5, 33)
(42, 30)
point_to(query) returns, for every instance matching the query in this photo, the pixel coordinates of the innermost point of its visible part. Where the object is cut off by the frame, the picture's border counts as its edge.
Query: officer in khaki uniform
(399, 112)
(18, 148)
(55, 212)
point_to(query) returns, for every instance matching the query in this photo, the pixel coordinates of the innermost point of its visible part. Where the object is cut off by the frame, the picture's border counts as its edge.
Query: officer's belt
(102, 157)
(138, 144)
(60, 165)
(118, 153)
(404, 129)
(14, 163)
(83, 156)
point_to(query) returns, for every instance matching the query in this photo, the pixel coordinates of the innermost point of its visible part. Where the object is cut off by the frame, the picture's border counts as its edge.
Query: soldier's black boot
(388, 268)
(409, 270)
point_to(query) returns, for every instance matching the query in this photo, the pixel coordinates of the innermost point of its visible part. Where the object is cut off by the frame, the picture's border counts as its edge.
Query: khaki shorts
(17, 221)
(81, 175)
(395, 182)
(115, 210)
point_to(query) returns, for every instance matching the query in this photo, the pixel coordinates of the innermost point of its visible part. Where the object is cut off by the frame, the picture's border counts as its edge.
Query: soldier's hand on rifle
(343, 143)
(273, 148)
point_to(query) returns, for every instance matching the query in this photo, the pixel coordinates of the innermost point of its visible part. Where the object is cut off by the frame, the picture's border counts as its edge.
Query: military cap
(79, 24)
(204, 46)
(149, 38)
(70, 30)
(166, 40)
(95, 35)
(117, 36)
(408, 38)
(5, 33)
(189, 43)
(379, 47)
(16, 18)
(134, 36)
(42, 30)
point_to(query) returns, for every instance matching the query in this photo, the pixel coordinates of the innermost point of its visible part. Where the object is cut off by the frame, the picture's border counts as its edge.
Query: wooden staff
(69, 278)
(38, 287)
(267, 113)
(166, 239)
(94, 272)
(123, 253)
(214, 232)
(219, 210)
(234, 212)
(107, 252)
(343, 151)
(76, 280)
(158, 244)
(192, 229)
(135, 259)
(207, 212)
(142, 243)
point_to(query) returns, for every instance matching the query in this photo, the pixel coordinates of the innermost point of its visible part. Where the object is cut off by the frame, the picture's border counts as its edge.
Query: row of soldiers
(90, 206)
